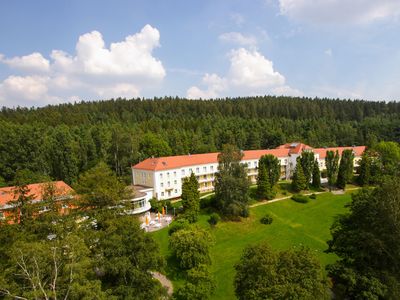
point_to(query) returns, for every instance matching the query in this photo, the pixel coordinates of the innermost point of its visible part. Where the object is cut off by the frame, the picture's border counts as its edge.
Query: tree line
(66, 140)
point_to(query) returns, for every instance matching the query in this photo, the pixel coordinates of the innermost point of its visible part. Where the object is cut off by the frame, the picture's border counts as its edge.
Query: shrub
(300, 198)
(313, 196)
(179, 224)
(214, 219)
(207, 202)
(245, 213)
(267, 219)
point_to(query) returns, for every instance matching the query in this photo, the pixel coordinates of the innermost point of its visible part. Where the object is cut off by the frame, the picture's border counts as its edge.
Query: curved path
(165, 282)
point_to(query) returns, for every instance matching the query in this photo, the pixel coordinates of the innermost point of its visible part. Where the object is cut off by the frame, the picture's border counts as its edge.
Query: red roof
(295, 148)
(174, 162)
(358, 150)
(179, 161)
(35, 190)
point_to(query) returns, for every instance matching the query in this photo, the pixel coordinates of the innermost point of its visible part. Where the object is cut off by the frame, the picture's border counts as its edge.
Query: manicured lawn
(294, 224)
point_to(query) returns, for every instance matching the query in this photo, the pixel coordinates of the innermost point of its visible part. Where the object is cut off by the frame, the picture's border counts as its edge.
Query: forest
(63, 141)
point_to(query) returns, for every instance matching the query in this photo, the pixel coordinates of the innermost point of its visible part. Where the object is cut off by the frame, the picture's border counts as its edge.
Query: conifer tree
(331, 162)
(364, 177)
(264, 188)
(345, 173)
(341, 178)
(316, 175)
(299, 180)
(191, 198)
(307, 163)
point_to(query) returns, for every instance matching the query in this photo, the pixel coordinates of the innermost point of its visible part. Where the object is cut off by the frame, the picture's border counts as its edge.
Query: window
(176, 191)
(212, 168)
(168, 174)
(160, 175)
(174, 173)
(197, 170)
(183, 172)
(255, 164)
(169, 183)
(205, 176)
(162, 184)
(162, 194)
(175, 182)
(205, 169)
(190, 170)
(169, 193)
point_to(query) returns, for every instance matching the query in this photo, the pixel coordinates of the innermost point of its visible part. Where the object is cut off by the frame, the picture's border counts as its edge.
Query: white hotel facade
(164, 175)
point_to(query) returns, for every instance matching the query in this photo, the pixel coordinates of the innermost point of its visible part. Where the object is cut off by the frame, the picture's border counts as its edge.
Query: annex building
(165, 174)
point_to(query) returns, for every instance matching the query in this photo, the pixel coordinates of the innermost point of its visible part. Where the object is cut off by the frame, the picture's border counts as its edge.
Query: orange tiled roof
(358, 150)
(35, 190)
(179, 161)
(295, 148)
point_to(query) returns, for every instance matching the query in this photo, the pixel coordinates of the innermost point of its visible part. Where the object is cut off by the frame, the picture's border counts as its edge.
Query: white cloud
(34, 62)
(253, 70)
(250, 73)
(237, 18)
(328, 52)
(214, 83)
(238, 38)
(96, 71)
(340, 11)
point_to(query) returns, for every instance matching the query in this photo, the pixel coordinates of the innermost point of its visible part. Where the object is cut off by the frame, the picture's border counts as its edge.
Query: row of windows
(188, 171)
(168, 183)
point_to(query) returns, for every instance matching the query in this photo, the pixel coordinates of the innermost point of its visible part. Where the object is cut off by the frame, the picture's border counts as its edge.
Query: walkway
(165, 282)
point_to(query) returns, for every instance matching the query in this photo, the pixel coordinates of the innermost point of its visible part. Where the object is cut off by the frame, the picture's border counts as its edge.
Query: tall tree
(264, 188)
(126, 256)
(367, 243)
(272, 166)
(190, 198)
(231, 183)
(191, 247)
(99, 187)
(307, 163)
(316, 175)
(364, 170)
(331, 163)
(299, 181)
(345, 173)
(265, 274)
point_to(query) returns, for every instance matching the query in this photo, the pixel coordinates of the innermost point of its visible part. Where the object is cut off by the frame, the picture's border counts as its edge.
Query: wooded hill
(61, 141)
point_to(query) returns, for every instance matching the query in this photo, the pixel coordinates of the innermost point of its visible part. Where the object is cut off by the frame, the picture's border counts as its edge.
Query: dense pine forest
(62, 141)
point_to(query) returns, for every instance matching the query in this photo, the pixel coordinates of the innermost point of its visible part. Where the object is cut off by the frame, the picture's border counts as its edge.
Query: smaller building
(140, 202)
(63, 195)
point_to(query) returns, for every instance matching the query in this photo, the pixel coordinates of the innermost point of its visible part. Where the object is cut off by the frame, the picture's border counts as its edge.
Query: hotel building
(165, 174)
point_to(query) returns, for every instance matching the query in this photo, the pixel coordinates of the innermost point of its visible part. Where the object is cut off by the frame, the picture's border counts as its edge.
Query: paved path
(165, 282)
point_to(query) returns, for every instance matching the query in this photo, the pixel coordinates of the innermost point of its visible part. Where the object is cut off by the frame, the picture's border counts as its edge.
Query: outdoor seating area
(155, 221)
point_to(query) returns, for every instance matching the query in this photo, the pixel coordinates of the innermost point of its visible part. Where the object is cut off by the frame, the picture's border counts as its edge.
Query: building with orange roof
(63, 195)
(165, 174)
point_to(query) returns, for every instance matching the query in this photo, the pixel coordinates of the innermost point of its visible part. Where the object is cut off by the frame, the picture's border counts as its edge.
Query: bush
(207, 202)
(179, 224)
(300, 198)
(214, 219)
(313, 196)
(267, 219)
(245, 213)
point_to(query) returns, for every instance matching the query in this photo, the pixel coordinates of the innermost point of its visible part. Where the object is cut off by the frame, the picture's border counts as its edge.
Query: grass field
(294, 224)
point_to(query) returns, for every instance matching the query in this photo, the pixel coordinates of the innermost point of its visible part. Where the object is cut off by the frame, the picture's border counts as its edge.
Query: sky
(65, 51)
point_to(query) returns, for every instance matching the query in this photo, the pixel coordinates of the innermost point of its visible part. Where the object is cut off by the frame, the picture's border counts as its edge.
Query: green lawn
(294, 224)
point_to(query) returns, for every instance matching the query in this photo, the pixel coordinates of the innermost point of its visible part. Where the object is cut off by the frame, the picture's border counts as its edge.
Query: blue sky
(60, 51)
